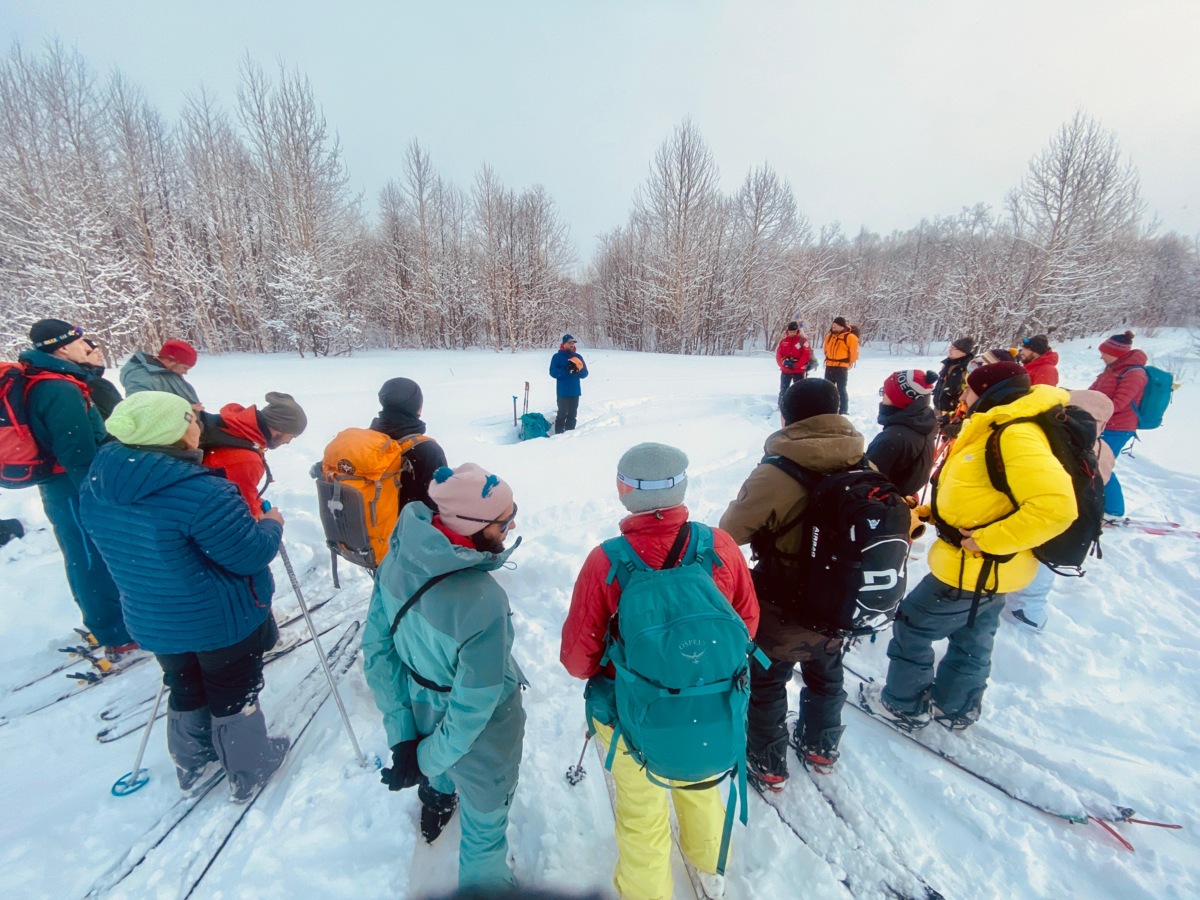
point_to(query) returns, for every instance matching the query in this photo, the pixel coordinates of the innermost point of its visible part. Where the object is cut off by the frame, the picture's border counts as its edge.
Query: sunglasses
(505, 524)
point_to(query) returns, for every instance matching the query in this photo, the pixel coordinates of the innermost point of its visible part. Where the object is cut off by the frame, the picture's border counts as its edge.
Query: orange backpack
(359, 492)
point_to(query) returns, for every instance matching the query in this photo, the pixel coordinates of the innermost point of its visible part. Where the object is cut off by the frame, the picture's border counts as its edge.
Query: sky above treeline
(878, 114)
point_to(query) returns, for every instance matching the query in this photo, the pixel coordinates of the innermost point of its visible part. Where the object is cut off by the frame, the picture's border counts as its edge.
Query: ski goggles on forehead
(75, 332)
(504, 523)
(626, 484)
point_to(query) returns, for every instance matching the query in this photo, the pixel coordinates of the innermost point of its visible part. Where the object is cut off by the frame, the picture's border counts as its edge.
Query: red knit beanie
(903, 387)
(178, 352)
(1118, 345)
(989, 376)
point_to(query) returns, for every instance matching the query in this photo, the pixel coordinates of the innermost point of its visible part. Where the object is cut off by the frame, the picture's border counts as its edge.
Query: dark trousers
(821, 699)
(787, 379)
(933, 611)
(837, 376)
(91, 585)
(568, 408)
(225, 680)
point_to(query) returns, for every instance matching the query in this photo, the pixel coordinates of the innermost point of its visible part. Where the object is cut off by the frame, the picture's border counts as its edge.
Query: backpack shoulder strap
(994, 459)
(420, 592)
(624, 561)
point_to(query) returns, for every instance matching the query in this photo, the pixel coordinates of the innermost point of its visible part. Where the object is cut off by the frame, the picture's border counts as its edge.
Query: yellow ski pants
(644, 827)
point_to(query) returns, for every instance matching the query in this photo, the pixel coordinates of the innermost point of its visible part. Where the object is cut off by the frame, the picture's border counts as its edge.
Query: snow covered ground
(1102, 705)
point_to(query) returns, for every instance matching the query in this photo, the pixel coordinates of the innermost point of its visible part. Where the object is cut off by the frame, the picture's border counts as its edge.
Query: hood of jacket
(823, 443)
(40, 359)
(1049, 358)
(428, 553)
(396, 424)
(918, 416)
(150, 363)
(121, 475)
(242, 421)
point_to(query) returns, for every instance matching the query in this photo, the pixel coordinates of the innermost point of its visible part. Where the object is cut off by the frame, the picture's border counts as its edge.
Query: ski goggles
(505, 524)
(59, 339)
(627, 485)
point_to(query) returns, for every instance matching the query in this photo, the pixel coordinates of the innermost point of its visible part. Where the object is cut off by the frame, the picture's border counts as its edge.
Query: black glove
(436, 810)
(404, 772)
(572, 367)
(789, 361)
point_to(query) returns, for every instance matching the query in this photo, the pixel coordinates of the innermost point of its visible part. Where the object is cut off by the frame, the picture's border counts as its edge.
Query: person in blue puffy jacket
(567, 368)
(191, 563)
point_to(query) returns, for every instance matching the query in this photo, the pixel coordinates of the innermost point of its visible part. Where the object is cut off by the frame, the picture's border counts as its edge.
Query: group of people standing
(168, 499)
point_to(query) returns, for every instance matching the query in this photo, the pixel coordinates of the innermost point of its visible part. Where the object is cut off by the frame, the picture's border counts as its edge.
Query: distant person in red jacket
(651, 482)
(1123, 381)
(1041, 363)
(238, 438)
(792, 356)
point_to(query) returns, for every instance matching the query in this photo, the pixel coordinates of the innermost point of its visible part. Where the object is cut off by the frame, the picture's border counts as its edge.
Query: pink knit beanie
(468, 498)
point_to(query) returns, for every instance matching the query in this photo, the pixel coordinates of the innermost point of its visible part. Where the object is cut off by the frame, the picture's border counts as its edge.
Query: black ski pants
(837, 375)
(821, 699)
(225, 680)
(568, 408)
(787, 379)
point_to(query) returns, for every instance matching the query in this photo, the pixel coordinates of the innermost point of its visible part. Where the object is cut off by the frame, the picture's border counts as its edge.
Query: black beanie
(965, 345)
(50, 334)
(401, 395)
(1039, 344)
(807, 398)
(839, 320)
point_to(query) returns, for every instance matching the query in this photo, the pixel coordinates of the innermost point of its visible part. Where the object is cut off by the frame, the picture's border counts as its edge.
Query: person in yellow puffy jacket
(841, 353)
(983, 551)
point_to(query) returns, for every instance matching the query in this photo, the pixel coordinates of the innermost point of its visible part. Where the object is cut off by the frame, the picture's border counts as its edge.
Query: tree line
(238, 231)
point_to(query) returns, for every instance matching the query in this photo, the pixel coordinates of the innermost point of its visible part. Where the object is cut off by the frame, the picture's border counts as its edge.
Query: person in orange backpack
(841, 353)
(401, 404)
(237, 439)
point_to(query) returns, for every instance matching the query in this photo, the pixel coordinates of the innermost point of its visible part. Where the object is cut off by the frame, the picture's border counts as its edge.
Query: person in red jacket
(792, 356)
(1123, 381)
(651, 483)
(238, 438)
(1041, 363)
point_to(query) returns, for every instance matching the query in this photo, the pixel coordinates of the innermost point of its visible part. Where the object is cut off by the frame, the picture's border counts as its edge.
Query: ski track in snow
(1102, 701)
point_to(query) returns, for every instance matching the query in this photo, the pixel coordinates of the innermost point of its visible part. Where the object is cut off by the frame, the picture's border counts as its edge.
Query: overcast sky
(879, 114)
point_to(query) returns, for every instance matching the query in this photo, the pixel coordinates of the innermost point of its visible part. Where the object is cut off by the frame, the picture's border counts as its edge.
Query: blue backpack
(534, 425)
(1155, 398)
(681, 655)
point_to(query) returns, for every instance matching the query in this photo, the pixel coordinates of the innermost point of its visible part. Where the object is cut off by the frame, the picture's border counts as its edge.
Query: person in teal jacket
(68, 430)
(437, 654)
(163, 372)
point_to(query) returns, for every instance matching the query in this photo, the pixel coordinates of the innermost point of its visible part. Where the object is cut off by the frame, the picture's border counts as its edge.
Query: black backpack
(1071, 432)
(852, 571)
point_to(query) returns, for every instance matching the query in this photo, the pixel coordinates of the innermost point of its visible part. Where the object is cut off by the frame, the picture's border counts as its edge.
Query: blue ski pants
(1114, 497)
(933, 611)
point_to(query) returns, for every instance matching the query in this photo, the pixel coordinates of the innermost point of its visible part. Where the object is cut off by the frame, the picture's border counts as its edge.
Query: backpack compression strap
(414, 598)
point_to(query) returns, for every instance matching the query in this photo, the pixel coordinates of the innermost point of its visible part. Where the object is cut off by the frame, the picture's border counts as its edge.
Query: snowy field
(1101, 707)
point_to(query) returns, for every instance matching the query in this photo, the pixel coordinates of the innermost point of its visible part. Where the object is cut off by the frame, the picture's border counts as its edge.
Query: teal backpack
(1155, 398)
(534, 425)
(681, 655)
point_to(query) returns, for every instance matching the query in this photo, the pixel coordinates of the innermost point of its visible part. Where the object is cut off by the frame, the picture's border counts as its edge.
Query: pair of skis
(200, 852)
(1150, 526)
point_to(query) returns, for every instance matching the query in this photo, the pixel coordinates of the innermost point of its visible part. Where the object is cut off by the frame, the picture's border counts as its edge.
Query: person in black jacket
(952, 379)
(401, 403)
(104, 393)
(903, 451)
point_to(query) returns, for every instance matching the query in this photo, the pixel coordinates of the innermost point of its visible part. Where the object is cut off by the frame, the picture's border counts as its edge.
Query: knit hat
(468, 498)
(283, 414)
(965, 345)
(1117, 345)
(807, 398)
(793, 326)
(178, 352)
(903, 387)
(150, 419)
(986, 377)
(839, 320)
(651, 476)
(50, 334)
(1039, 344)
(567, 338)
(402, 395)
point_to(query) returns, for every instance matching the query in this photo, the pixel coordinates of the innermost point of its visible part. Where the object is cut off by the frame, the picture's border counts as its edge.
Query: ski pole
(576, 772)
(287, 565)
(514, 410)
(135, 781)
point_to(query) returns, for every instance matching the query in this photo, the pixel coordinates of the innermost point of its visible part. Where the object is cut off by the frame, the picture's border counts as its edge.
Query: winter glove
(790, 361)
(404, 772)
(436, 810)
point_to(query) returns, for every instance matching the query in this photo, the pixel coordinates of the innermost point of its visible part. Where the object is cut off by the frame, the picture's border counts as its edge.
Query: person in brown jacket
(841, 353)
(769, 504)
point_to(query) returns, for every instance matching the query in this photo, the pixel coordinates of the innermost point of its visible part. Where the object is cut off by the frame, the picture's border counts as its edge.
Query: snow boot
(819, 753)
(960, 722)
(870, 698)
(767, 768)
(712, 884)
(249, 757)
(189, 741)
(436, 810)
(118, 653)
(1018, 617)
